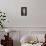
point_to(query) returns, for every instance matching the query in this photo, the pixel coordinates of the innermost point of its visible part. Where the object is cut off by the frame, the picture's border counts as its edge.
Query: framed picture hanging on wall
(23, 11)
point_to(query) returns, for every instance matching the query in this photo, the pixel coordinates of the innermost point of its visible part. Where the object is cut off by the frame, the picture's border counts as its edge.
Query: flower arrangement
(2, 19)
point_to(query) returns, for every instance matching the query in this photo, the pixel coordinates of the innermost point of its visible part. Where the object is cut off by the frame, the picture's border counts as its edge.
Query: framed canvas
(23, 11)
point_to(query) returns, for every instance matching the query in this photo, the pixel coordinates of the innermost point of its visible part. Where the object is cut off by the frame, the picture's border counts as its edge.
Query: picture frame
(23, 11)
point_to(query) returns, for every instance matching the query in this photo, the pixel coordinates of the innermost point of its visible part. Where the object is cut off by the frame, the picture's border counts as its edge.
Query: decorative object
(8, 41)
(2, 19)
(23, 11)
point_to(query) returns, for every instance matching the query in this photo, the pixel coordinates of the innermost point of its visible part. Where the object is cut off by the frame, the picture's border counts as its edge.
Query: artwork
(23, 11)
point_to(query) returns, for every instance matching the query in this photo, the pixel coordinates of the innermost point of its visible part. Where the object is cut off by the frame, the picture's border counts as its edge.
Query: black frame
(23, 11)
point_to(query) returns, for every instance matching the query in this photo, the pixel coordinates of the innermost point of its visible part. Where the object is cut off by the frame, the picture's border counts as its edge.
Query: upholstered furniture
(32, 40)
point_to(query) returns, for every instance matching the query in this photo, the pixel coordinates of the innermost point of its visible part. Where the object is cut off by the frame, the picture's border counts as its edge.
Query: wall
(36, 14)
